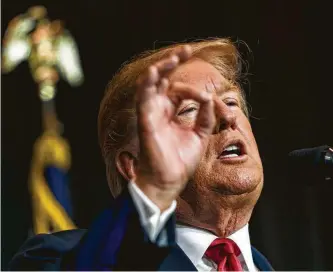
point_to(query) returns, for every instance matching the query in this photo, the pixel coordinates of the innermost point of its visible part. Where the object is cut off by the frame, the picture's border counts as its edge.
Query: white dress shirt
(193, 241)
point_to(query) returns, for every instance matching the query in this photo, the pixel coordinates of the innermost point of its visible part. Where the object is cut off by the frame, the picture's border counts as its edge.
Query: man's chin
(238, 183)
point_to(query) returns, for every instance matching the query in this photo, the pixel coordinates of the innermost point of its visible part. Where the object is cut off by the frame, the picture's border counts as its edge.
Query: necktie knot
(224, 252)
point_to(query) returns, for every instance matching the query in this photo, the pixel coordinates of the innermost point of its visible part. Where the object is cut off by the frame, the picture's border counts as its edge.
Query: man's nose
(225, 117)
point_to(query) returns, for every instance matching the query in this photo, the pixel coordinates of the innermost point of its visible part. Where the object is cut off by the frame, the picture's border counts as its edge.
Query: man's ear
(126, 163)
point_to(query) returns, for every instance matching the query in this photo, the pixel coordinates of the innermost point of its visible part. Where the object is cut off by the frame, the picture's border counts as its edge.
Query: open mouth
(232, 151)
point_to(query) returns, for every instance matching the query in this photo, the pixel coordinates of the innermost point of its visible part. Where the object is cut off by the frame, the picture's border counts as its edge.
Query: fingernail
(174, 60)
(186, 52)
(188, 48)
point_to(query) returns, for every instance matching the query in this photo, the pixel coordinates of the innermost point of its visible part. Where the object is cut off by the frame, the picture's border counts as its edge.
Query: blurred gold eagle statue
(50, 50)
(33, 37)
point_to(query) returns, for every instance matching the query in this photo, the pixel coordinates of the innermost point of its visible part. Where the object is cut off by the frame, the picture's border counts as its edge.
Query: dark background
(291, 85)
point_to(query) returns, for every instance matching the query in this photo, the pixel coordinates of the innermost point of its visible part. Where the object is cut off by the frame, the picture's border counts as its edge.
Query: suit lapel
(177, 261)
(95, 248)
(260, 261)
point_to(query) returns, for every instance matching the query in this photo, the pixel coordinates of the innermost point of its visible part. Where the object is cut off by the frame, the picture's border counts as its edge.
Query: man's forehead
(195, 71)
(222, 86)
(204, 76)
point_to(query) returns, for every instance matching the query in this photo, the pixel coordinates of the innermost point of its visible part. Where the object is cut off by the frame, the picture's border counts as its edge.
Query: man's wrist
(162, 198)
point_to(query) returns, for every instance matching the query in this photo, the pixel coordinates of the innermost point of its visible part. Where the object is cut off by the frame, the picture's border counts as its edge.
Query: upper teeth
(231, 147)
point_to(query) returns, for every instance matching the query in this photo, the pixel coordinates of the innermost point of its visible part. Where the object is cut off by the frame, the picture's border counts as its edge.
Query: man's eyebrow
(235, 89)
(232, 90)
(226, 86)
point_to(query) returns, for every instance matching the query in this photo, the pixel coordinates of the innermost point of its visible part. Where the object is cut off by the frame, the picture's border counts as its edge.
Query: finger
(148, 78)
(183, 52)
(180, 91)
(206, 119)
(163, 86)
(145, 87)
(160, 68)
(167, 64)
(151, 79)
(176, 57)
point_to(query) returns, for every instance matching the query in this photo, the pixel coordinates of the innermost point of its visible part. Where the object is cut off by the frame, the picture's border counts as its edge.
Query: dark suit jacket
(116, 241)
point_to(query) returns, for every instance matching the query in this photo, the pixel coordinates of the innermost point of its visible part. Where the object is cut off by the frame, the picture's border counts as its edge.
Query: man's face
(231, 164)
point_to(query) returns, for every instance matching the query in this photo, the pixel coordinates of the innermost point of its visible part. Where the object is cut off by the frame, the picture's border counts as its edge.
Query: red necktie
(224, 252)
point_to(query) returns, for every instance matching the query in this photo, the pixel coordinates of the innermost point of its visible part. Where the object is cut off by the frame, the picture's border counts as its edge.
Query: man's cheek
(186, 122)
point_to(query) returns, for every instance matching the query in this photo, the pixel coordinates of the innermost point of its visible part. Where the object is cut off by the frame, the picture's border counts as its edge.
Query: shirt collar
(194, 242)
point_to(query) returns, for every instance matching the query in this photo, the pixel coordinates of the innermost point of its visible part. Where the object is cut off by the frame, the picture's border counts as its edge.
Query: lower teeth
(230, 156)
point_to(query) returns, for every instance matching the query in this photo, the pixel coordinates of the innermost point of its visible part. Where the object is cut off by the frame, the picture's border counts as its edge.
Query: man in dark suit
(173, 126)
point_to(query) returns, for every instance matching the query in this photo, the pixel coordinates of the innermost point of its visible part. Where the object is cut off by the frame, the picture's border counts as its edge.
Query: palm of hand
(169, 151)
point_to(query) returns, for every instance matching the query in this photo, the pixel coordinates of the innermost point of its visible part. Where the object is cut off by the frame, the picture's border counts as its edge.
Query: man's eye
(187, 110)
(231, 102)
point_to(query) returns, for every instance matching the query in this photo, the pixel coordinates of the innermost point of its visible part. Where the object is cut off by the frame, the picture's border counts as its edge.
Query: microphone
(311, 165)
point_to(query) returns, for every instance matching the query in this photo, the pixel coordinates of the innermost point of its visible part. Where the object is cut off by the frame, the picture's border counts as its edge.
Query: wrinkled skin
(221, 194)
(187, 114)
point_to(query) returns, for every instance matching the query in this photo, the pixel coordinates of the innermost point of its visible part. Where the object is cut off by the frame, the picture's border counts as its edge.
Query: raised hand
(169, 152)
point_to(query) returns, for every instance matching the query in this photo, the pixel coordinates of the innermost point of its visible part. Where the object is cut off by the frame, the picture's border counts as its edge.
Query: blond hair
(117, 115)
